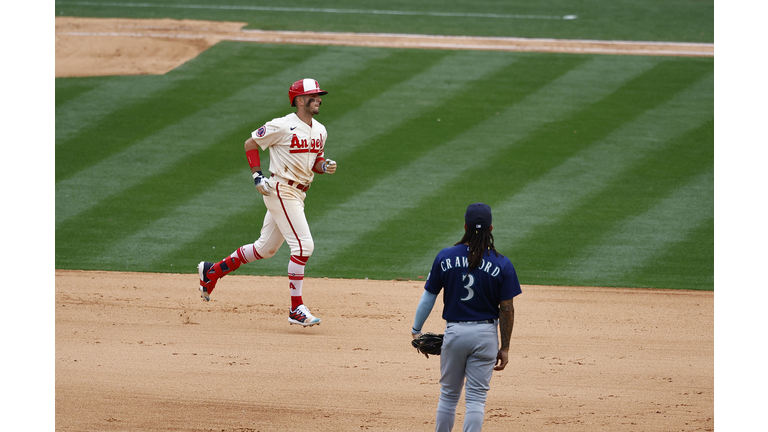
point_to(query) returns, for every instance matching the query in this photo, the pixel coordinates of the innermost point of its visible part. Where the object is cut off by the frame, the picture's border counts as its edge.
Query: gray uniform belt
(488, 321)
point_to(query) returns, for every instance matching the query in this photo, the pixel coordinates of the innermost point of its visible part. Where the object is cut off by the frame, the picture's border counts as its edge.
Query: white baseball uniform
(294, 149)
(295, 155)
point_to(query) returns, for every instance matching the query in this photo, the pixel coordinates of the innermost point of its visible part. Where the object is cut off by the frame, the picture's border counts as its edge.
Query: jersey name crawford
(460, 261)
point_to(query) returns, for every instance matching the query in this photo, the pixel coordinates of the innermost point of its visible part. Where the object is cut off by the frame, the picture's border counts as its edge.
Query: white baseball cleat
(302, 317)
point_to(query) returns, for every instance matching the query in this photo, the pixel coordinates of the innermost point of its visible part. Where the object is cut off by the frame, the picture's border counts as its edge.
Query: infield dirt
(142, 352)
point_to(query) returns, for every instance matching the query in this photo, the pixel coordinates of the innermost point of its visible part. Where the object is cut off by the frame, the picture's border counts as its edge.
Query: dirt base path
(142, 352)
(92, 46)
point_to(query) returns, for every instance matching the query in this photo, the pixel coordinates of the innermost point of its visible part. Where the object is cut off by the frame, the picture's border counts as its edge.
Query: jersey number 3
(469, 283)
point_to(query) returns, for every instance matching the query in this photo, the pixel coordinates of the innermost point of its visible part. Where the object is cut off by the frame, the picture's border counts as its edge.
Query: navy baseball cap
(478, 216)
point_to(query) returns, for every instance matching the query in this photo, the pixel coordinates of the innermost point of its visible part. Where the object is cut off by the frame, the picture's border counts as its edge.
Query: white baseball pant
(285, 221)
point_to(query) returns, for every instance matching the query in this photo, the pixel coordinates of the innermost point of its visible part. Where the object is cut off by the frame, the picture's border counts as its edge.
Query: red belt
(298, 186)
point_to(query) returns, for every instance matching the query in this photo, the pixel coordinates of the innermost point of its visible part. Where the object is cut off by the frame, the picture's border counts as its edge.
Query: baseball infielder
(296, 146)
(479, 287)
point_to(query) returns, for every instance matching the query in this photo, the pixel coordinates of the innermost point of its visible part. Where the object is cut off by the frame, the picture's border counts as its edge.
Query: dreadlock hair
(479, 241)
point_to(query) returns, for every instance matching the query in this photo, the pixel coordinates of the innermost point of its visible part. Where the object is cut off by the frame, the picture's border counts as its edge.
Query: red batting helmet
(304, 87)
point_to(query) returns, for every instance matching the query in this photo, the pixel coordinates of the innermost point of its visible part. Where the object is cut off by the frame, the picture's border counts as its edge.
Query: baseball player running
(479, 287)
(296, 146)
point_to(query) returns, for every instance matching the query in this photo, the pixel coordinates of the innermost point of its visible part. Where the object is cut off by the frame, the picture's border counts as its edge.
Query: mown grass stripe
(550, 250)
(316, 10)
(110, 94)
(684, 264)
(431, 128)
(196, 132)
(629, 245)
(184, 223)
(68, 89)
(406, 187)
(80, 241)
(370, 83)
(593, 169)
(436, 85)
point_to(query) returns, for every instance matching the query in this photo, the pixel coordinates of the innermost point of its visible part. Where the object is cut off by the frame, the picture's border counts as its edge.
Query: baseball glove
(428, 343)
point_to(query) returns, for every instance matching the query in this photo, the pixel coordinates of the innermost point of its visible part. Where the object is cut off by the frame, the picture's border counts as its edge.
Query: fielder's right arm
(506, 322)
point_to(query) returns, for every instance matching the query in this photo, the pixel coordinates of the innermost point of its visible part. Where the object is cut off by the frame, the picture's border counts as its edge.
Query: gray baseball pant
(468, 355)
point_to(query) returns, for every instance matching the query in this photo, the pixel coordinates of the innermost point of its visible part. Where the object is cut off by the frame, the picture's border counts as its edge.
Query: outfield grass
(636, 20)
(599, 168)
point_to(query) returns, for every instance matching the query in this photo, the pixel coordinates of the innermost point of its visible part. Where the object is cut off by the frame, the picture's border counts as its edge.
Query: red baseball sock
(224, 267)
(296, 279)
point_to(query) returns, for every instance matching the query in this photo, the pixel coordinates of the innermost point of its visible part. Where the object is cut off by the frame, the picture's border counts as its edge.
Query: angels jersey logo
(306, 146)
(261, 132)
